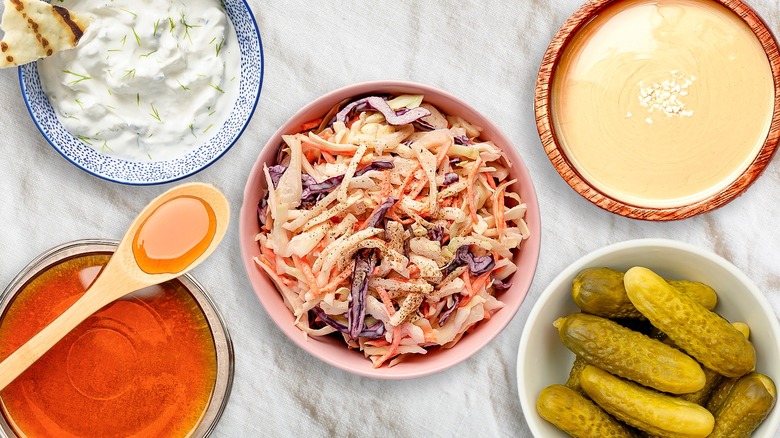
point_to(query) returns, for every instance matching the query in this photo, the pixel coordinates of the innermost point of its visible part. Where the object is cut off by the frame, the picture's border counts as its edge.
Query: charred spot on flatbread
(35, 29)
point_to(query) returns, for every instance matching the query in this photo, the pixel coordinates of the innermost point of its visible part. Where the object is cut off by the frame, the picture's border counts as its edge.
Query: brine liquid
(142, 366)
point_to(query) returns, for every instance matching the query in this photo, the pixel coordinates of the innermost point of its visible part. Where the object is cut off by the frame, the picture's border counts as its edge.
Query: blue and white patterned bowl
(158, 172)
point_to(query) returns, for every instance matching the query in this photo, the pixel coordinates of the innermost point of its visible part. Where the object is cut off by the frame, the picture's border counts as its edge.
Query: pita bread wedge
(35, 29)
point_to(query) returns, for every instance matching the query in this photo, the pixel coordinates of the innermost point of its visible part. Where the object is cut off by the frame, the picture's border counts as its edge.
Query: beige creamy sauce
(662, 103)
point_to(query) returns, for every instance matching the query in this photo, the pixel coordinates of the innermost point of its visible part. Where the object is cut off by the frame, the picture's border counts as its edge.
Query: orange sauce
(144, 365)
(174, 235)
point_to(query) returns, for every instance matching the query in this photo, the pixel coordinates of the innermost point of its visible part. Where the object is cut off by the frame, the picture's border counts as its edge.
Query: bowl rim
(542, 110)
(587, 260)
(223, 344)
(531, 248)
(31, 69)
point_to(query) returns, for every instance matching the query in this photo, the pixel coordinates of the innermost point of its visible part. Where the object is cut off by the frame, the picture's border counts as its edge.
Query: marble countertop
(486, 53)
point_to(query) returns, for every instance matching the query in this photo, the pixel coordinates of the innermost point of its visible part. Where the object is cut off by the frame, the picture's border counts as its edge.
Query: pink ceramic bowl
(333, 350)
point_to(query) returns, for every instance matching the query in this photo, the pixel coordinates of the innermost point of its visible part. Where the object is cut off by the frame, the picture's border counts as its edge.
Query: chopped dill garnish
(207, 128)
(78, 102)
(137, 39)
(124, 40)
(130, 73)
(192, 130)
(219, 46)
(183, 87)
(85, 139)
(105, 146)
(154, 113)
(173, 25)
(129, 12)
(187, 26)
(146, 55)
(156, 25)
(216, 87)
(138, 99)
(109, 91)
(212, 113)
(80, 77)
(110, 107)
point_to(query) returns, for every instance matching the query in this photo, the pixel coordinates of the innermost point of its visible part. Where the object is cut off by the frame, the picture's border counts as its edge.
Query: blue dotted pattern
(158, 172)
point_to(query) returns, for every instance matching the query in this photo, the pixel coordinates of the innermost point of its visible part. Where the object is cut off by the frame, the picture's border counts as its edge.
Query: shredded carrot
(480, 281)
(491, 182)
(392, 215)
(304, 266)
(498, 209)
(418, 186)
(336, 281)
(326, 149)
(387, 186)
(386, 300)
(442, 154)
(270, 255)
(407, 180)
(470, 189)
(311, 124)
(467, 280)
(430, 336)
(326, 134)
(381, 342)
(328, 157)
(414, 271)
(393, 347)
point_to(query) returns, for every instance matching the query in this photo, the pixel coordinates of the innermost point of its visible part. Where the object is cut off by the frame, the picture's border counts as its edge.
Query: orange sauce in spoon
(174, 235)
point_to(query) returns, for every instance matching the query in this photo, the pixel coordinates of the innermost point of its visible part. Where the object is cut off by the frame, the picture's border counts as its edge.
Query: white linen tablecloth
(488, 54)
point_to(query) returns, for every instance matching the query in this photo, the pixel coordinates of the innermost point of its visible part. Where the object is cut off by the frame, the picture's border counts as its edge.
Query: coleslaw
(391, 225)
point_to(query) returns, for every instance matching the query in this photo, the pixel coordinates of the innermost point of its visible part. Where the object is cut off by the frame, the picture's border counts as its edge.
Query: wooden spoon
(166, 240)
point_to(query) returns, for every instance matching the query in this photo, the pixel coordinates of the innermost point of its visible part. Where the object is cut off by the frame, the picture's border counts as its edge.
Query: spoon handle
(97, 296)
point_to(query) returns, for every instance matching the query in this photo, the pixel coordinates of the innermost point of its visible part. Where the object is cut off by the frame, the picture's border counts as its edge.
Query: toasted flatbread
(35, 29)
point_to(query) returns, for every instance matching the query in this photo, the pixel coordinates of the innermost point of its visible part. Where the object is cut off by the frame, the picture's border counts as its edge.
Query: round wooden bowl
(543, 109)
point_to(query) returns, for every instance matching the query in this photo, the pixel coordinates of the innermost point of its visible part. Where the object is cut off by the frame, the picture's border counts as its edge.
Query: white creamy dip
(150, 79)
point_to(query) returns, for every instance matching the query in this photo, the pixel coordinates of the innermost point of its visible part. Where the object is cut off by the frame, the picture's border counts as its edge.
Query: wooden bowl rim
(558, 45)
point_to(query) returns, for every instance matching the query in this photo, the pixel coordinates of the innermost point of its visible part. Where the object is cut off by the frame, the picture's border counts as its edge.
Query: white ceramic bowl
(543, 360)
(158, 172)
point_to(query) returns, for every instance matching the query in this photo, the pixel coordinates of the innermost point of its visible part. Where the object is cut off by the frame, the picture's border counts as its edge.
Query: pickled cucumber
(703, 334)
(651, 411)
(700, 397)
(720, 394)
(574, 375)
(746, 406)
(608, 345)
(579, 417)
(600, 291)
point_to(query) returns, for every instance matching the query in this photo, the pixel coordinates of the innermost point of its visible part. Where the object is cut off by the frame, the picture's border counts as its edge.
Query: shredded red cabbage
(436, 234)
(450, 178)
(276, 173)
(376, 331)
(477, 265)
(448, 311)
(262, 211)
(380, 212)
(400, 117)
(462, 140)
(365, 262)
(314, 191)
(500, 285)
